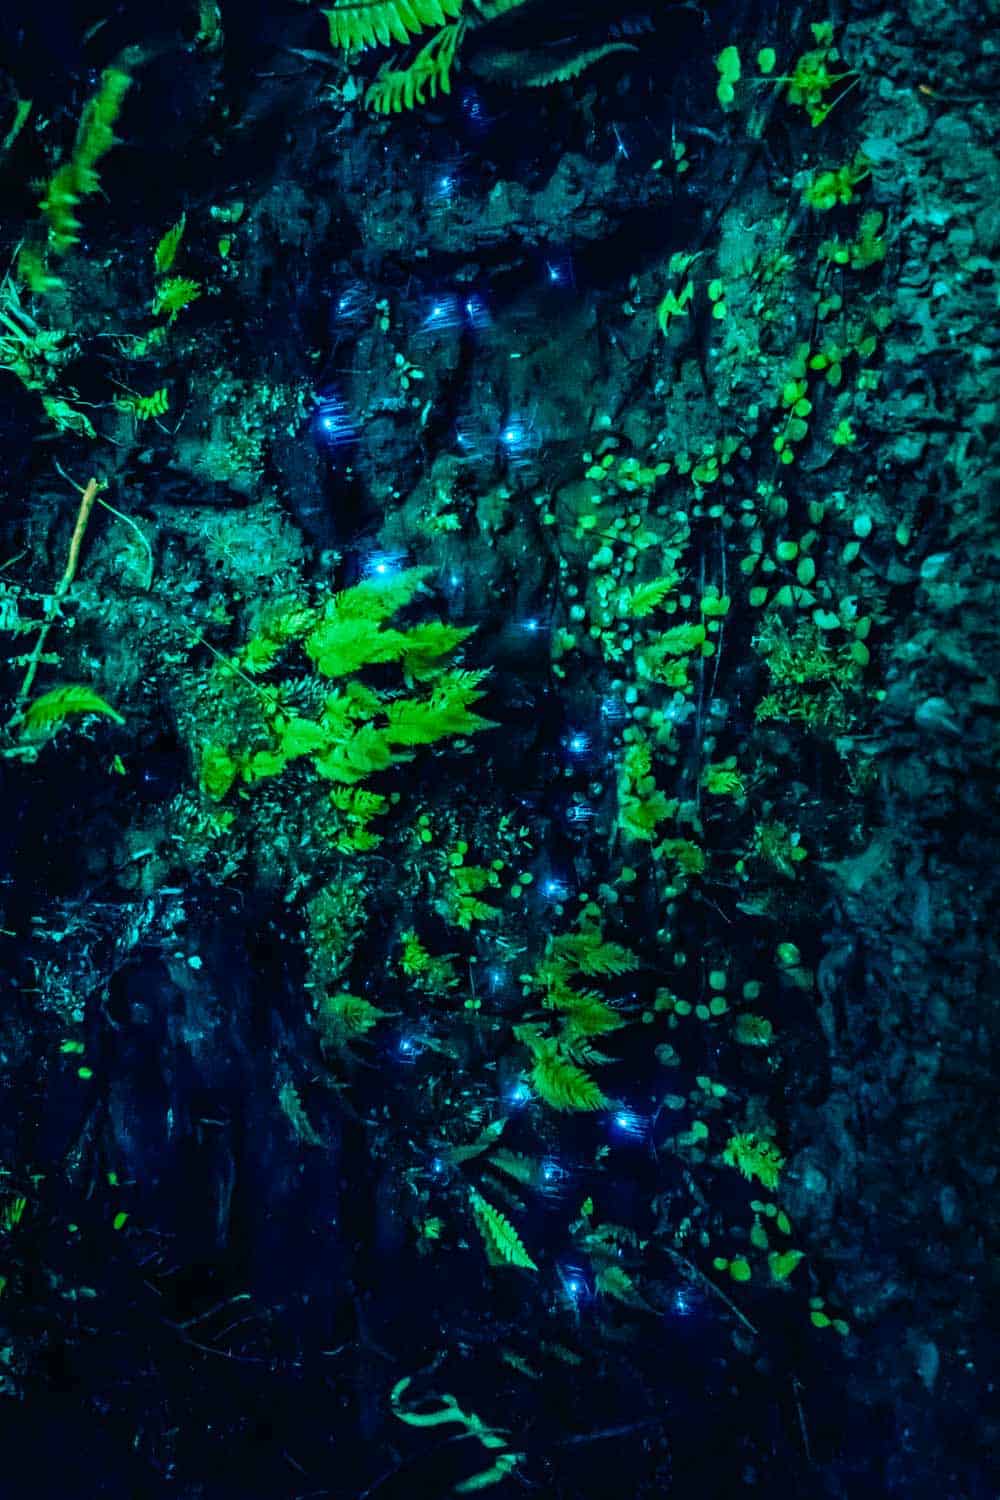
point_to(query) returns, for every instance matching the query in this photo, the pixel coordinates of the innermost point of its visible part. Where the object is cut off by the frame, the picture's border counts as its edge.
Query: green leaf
(58, 703)
(344, 1016)
(649, 596)
(503, 1243)
(562, 1085)
(166, 250)
(218, 771)
(783, 1263)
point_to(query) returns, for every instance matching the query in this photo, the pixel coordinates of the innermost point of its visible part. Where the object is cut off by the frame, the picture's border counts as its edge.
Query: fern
(754, 1158)
(370, 23)
(396, 89)
(520, 69)
(526, 1169)
(142, 408)
(345, 1016)
(416, 721)
(503, 1243)
(78, 177)
(562, 1085)
(169, 244)
(360, 755)
(53, 707)
(423, 645)
(646, 597)
(612, 1281)
(175, 293)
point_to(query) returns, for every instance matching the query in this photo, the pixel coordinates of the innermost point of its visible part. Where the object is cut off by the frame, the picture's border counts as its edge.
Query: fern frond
(424, 644)
(396, 89)
(145, 407)
(491, 10)
(416, 721)
(562, 1085)
(169, 244)
(541, 77)
(344, 1016)
(526, 1169)
(349, 636)
(646, 597)
(173, 294)
(503, 1243)
(377, 23)
(376, 598)
(754, 1157)
(48, 711)
(357, 756)
(588, 953)
(591, 1017)
(359, 803)
(484, 1140)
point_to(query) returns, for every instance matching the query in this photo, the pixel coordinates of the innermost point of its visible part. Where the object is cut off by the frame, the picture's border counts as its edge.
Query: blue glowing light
(518, 439)
(574, 1283)
(474, 111)
(476, 312)
(383, 564)
(578, 743)
(519, 1093)
(682, 1303)
(332, 423)
(628, 1122)
(556, 890)
(444, 311)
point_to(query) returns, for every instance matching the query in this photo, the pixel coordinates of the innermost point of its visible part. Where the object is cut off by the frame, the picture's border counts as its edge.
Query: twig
(717, 1290)
(89, 495)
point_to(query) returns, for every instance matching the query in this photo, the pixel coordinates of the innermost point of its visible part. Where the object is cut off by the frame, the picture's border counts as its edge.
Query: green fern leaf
(503, 1243)
(218, 771)
(173, 294)
(396, 89)
(424, 644)
(344, 1016)
(590, 1017)
(754, 1158)
(649, 596)
(48, 711)
(302, 737)
(145, 407)
(358, 756)
(416, 721)
(538, 74)
(612, 1281)
(371, 23)
(526, 1169)
(562, 1085)
(166, 250)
